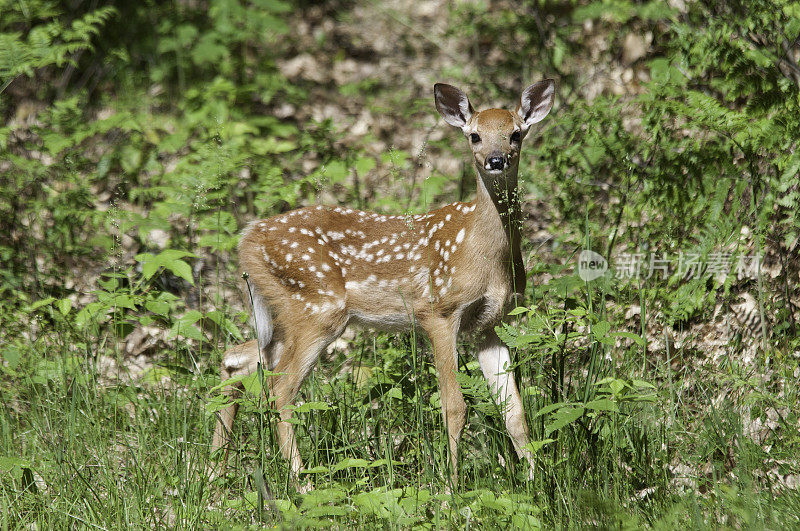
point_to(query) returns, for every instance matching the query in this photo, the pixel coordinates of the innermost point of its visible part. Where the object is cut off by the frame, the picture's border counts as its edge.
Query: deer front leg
(495, 363)
(443, 336)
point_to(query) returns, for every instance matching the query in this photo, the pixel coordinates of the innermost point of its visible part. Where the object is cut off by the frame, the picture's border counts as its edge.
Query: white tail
(315, 270)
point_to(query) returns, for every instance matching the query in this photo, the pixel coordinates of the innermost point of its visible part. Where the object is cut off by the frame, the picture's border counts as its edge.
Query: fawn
(315, 270)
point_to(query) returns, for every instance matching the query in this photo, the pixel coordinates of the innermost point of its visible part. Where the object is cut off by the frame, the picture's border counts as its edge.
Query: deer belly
(381, 304)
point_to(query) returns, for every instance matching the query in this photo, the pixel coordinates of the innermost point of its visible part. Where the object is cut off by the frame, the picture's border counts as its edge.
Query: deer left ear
(536, 102)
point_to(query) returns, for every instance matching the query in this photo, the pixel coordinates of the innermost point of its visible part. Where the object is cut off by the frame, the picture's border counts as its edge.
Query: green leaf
(600, 330)
(226, 324)
(518, 310)
(169, 259)
(157, 307)
(121, 300)
(319, 469)
(38, 304)
(602, 404)
(64, 306)
(547, 409)
(184, 326)
(563, 417)
(181, 269)
(350, 463)
(535, 446)
(149, 269)
(617, 386)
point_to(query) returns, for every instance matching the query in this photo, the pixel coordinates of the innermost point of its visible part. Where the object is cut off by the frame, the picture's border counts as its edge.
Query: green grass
(83, 449)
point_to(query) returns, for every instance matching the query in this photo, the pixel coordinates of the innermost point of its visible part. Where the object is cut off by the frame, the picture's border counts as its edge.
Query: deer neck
(499, 221)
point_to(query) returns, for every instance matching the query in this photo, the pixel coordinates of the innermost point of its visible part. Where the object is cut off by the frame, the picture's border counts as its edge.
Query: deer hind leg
(442, 332)
(239, 360)
(495, 363)
(303, 346)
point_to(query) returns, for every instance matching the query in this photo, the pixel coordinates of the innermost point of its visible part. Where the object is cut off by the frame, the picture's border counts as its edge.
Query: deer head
(495, 135)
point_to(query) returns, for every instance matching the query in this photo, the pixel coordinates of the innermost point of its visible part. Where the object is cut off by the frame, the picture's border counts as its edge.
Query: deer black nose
(495, 162)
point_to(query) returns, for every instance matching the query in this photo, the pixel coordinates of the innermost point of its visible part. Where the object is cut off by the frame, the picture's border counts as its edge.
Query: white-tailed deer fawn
(315, 270)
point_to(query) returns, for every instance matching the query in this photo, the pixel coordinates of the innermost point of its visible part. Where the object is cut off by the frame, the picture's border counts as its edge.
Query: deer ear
(453, 105)
(536, 102)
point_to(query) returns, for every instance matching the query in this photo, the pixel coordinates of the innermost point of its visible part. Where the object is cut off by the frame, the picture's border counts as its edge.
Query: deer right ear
(453, 105)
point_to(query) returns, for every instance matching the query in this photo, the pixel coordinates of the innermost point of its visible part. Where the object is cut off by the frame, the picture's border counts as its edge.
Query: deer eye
(475, 138)
(515, 137)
